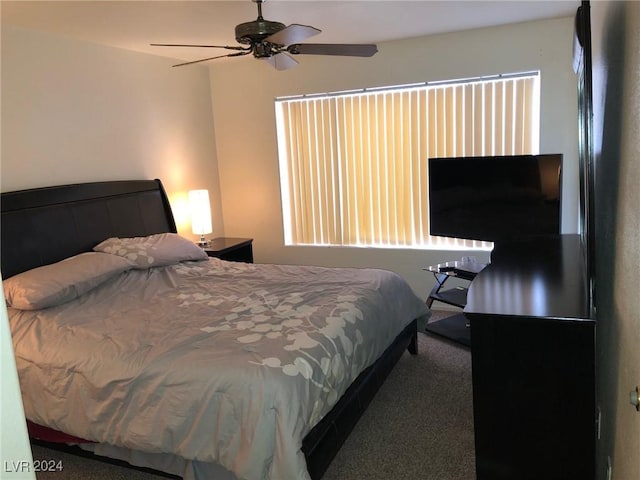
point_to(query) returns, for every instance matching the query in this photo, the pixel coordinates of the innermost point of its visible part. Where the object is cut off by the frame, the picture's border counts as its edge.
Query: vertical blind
(353, 166)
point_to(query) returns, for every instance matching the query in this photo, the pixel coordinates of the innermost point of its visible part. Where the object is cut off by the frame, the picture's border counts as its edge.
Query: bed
(133, 344)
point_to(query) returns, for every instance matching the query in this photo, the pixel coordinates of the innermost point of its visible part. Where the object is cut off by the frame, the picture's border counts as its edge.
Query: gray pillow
(154, 250)
(61, 282)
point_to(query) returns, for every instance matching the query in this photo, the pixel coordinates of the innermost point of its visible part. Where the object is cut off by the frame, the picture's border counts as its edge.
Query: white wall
(76, 112)
(243, 91)
(616, 94)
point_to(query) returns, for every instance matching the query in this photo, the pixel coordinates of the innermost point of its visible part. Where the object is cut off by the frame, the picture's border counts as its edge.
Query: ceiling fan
(275, 42)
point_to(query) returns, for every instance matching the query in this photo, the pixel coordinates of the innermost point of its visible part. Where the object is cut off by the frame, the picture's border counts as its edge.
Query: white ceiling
(134, 24)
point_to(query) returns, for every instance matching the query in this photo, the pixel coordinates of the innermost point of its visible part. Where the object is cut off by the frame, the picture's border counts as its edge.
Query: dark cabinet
(533, 360)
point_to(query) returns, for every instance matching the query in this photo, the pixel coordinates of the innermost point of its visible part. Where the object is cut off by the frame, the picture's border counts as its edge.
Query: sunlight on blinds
(353, 166)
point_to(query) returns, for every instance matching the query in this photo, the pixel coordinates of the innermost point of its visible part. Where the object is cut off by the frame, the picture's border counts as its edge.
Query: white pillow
(61, 282)
(154, 250)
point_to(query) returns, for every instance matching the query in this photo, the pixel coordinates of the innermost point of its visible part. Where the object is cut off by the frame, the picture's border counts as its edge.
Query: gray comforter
(212, 361)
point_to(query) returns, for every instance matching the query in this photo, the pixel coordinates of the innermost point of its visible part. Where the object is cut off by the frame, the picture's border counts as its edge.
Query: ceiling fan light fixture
(263, 50)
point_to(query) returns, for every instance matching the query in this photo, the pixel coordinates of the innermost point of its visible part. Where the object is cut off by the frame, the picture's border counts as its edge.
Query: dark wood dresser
(533, 360)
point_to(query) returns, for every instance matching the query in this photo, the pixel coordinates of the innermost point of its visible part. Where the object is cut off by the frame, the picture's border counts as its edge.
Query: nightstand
(232, 249)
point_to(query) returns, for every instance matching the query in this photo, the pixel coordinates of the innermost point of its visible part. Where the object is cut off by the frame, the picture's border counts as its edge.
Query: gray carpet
(419, 426)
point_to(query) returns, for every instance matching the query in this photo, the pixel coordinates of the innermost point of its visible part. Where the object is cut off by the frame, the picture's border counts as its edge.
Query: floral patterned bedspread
(213, 361)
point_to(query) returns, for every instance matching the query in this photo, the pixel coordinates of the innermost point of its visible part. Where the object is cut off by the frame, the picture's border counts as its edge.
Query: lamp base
(203, 242)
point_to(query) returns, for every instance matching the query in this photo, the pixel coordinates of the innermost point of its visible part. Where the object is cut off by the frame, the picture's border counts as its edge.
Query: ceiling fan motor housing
(249, 33)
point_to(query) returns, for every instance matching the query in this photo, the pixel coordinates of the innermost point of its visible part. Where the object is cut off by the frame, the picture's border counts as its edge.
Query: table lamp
(200, 209)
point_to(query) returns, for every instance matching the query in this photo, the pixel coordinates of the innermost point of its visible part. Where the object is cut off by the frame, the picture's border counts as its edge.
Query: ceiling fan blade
(294, 33)
(350, 50)
(281, 61)
(212, 58)
(199, 46)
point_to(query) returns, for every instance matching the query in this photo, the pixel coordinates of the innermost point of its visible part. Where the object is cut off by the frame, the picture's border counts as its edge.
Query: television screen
(495, 198)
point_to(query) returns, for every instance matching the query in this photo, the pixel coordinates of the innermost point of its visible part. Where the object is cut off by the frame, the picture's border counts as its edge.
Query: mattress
(210, 361)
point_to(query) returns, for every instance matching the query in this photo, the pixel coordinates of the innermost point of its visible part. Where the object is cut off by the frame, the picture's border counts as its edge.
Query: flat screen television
(495, 198)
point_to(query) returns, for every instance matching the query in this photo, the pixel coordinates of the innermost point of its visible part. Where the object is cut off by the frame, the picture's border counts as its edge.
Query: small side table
(232, 249)
(455, 327)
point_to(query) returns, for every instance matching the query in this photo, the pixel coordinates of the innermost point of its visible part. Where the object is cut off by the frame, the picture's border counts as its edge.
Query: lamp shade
(200, 209)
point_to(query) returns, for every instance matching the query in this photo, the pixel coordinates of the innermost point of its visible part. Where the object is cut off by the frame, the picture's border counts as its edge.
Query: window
(353, 165)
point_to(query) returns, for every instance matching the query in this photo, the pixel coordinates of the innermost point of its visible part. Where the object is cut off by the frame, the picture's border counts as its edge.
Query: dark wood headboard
(45, 225)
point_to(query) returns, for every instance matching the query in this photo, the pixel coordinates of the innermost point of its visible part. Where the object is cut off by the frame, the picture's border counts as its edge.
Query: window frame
(426, 241)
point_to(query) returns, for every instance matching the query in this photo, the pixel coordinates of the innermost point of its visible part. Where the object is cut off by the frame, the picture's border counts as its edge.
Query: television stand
(455, 327)
(533, 362)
